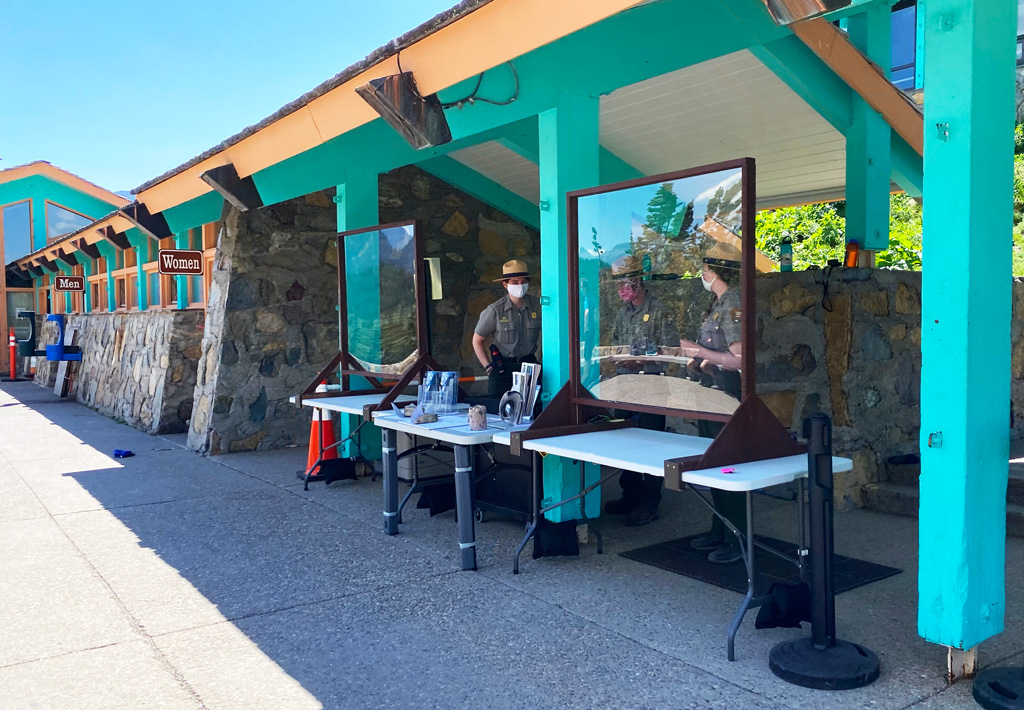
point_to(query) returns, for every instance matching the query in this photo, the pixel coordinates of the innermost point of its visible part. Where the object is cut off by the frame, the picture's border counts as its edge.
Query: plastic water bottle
(786, 254)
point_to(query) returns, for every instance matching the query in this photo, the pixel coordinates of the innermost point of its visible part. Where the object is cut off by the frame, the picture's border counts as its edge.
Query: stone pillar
(569, 155)
(966, 306)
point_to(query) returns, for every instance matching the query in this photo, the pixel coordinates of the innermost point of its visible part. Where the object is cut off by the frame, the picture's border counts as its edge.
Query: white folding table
(646, 451)
(451, 429)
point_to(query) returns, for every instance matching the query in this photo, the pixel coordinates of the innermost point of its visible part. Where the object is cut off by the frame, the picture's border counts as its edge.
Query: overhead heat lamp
(419, 119)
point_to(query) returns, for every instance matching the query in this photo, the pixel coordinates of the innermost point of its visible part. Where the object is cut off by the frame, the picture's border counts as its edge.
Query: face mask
(707, 284)
(627, 291)
(518, 290)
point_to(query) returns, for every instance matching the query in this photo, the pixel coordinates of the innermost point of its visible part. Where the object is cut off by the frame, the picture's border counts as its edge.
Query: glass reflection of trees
(380, 275)
(642, 252)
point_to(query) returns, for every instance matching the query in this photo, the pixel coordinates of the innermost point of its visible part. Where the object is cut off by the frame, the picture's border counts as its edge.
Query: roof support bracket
(47, 264)
(118, 239)
(67, 257)
(90, 250)
(153, 225)
(240, 192)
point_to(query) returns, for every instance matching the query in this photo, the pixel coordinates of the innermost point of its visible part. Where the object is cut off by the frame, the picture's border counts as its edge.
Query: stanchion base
(332, 470)
(1000, 689)
(843, 667)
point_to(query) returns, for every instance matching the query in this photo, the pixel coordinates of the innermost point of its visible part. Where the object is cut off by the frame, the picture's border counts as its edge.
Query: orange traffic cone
(322, 462)
(321, 433)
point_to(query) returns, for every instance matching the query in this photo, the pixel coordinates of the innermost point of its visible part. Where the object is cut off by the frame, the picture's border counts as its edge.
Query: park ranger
(644, 324)
(513, 324)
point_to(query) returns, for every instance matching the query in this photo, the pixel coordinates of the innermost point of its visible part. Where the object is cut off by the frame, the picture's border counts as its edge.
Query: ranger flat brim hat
(722, 263)
(514, 269)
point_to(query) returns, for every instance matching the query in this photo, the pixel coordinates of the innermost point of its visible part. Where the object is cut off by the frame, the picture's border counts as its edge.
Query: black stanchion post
(819, 471)
(822, 661)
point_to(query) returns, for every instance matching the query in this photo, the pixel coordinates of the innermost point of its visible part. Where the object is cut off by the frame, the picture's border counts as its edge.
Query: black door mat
(677, 556)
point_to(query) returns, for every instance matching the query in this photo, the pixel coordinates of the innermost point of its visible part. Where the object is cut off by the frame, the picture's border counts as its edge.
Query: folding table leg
(535, 513)
(747, 547)
(464, 505)
(389, 440)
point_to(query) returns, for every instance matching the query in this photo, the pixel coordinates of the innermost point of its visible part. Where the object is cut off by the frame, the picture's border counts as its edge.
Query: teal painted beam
(194, 213)
(522, 139)
(65, 270)
(969, 109)
(358, 206)
(109, 253)
(798, 67)
(484, 189)
(919, 46)
(87, 296)
(869, 138)
(593, 61)
(907, 167)
(569, 160)
(614, 169)
(140, 243)
(181, 282)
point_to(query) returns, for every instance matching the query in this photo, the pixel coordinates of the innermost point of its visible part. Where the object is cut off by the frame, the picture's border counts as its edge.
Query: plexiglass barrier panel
(660, 293)
(380, 282)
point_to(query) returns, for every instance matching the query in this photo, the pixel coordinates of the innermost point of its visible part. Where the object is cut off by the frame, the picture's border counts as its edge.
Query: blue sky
(120, 92)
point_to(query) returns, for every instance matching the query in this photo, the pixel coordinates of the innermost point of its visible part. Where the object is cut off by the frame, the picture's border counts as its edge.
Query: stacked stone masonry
(137, 367)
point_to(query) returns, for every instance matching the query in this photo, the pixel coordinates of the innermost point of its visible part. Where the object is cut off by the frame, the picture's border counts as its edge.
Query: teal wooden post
(86, 272)
(140, 243)
(919, 45)
(868, 141)
(357, 207)
(65, 270)
(569, 160)
(181, 242)
(109, 253)
(965, 377)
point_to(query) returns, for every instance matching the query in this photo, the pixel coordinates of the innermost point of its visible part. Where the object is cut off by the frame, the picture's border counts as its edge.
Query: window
(97, 284)
(904, 45)
(61, 221)
(77, 297)
(16, 231)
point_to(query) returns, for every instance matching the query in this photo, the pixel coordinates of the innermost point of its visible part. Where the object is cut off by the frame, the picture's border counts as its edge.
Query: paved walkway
(170, 580)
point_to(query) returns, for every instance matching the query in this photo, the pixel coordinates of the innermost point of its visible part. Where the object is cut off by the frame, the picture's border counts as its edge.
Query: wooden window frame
(46, 219)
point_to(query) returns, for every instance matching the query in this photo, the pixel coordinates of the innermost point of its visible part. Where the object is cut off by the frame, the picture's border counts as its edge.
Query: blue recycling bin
(60, 351)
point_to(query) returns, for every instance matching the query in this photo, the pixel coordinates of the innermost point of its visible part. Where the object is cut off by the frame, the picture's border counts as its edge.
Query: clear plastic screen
(380, 277)
(645, 255)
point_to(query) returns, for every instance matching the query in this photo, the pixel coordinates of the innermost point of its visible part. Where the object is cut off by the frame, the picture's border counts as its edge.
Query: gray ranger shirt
(515, 331)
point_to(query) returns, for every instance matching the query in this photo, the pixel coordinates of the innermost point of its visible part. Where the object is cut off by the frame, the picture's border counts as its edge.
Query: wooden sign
(180, 262)
(69, 283)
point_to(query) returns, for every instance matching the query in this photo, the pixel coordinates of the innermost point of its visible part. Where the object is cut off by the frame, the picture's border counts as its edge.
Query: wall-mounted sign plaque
(69, 283)
(180, 262)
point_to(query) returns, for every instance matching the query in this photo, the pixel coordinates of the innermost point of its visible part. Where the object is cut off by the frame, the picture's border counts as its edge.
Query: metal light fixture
(419, 119)
(786, 12)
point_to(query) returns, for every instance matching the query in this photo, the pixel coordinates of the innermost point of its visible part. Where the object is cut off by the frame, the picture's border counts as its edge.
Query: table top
(646, 451)
(352, 404)
(451, 428)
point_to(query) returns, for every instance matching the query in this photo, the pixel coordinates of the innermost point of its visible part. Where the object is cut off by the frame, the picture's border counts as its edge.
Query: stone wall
(272, 324)
(854, 354)
(139, 367)
(472, 240)
(272, 319)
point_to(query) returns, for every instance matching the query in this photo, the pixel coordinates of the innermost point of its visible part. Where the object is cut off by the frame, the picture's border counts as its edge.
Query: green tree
(662, 209)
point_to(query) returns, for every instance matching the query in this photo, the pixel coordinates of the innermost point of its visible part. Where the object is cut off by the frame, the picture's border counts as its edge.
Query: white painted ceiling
(725, 108)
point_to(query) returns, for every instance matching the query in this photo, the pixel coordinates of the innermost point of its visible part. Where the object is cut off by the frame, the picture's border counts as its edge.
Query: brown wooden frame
(349, 366)
(579, 395)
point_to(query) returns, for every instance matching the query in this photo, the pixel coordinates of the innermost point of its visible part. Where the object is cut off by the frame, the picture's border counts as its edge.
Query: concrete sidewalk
(169, 580)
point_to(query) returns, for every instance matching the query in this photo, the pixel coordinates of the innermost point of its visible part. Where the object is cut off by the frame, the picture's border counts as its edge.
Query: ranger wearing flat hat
(513, 323)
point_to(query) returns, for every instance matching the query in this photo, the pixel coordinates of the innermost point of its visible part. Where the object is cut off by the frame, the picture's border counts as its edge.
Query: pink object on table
(729, 470)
